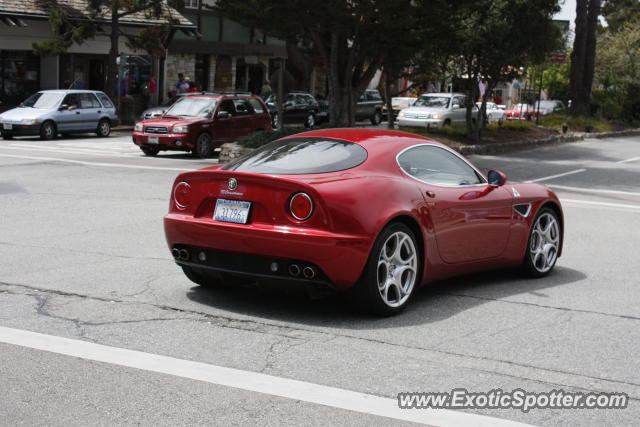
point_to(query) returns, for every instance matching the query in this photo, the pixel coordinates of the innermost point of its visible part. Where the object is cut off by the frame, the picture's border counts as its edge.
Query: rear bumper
(424, 123)
(339, 258)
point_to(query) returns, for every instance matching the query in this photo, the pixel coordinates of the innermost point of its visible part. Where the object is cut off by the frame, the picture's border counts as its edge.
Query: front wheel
(543, 245)
(203, 146)
(48, 130)
(392, 272)
(376, 119)
(104, 128)
(7, 136)
(150, 151)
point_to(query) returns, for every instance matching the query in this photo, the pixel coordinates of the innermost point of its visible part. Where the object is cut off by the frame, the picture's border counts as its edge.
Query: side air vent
(524, 209)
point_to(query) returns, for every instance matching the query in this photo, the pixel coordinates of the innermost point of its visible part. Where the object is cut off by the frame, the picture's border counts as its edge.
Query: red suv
(199, 123)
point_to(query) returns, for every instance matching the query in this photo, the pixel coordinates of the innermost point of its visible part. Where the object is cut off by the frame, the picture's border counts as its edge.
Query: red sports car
(375, 212)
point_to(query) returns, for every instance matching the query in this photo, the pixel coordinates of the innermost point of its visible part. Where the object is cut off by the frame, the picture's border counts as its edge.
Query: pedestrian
(182, 86)
(153, 91)
(266, 90)
(193, 86)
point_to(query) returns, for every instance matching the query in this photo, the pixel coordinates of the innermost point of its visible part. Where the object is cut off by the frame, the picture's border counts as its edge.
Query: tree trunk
(112, 67)
(388, 81)
(583, 56)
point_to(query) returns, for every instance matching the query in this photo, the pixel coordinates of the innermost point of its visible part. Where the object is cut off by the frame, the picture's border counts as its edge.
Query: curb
(507, 147)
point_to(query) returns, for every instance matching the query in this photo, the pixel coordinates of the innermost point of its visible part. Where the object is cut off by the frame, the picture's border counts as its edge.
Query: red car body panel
(228, 129)
(460, 229)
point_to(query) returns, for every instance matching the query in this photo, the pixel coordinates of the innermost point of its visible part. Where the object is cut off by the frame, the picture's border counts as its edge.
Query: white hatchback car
(494, 112)
(434, 110)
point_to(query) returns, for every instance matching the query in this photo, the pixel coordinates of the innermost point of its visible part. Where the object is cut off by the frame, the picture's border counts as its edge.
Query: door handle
(77, 112)
(430, 194)
(99, 111)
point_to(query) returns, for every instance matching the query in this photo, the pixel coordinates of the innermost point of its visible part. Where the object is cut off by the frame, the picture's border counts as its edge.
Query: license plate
(236, 211)
(152, 140)
(7, 126)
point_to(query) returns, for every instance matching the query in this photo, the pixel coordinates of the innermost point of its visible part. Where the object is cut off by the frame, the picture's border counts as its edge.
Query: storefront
(19, 75)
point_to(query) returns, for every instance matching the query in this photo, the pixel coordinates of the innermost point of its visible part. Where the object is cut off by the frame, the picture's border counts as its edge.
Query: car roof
(443, 94)
(69, 91)
(370, 139)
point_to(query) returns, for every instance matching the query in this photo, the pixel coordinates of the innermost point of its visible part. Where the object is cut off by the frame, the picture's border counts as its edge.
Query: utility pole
(280, 95)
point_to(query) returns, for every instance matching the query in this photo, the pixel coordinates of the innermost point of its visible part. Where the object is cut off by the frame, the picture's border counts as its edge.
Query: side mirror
(223, 115)
(496, 178)
(63, 107)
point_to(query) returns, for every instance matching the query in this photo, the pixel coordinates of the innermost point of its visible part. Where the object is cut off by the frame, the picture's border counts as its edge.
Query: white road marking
(605, 204)
(633, 159)
(100, 149)
(246, 380)
(594, 190)
(72, 151)
(106, 165)
(546, 178)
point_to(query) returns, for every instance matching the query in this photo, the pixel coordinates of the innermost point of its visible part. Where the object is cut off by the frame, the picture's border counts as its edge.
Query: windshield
(406, 102)
(170, 101)
(297, 156)
(546, 104)
(44, 100)
(192, 107)
(433, 101)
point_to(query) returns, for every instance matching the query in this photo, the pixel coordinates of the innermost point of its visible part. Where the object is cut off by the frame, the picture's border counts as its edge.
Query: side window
(106, 102)
(301, 100)
(257, 106)
(291, 99)
(72, 100)
(373, 96)
(310, 99)
(242, 107)
(88, 100)
(435, 165)
(460, 100)
(227, 105)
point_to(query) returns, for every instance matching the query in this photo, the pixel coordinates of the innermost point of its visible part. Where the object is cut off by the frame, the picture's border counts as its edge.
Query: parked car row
(435, 110)
(530, 112)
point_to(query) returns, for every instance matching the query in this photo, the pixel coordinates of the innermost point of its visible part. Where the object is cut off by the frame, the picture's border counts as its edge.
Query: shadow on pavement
(431, 303)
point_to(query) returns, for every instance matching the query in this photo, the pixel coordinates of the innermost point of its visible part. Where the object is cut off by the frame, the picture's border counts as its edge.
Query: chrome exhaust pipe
(309, 273)
(294, 270)
(184, 255)
(176, 253)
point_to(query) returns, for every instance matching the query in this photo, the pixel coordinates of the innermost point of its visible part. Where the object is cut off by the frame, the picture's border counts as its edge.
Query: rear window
(106, 102)
(297, 156)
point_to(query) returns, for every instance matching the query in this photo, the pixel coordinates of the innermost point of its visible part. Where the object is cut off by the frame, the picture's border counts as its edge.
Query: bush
(580, 124)
(519, 125)
(258, 139)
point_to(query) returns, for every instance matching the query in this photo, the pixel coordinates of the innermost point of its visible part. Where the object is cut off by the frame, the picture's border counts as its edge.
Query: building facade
(225, 56)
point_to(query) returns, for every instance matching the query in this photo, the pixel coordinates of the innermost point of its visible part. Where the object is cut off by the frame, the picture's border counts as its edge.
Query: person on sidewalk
(153, 91)
(182, 86)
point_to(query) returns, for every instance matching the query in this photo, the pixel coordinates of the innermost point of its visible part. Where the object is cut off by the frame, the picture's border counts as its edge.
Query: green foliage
(618, 12)
(258, 139)
(575, 123)
(618, 73)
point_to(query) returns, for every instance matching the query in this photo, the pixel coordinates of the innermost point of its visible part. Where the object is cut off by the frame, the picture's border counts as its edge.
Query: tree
(583, 56)
(492, 46)
(72, 26)
(347, 34)
(617, 12)
(618, 71)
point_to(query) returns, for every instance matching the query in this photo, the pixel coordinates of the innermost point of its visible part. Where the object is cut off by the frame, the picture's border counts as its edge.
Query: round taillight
(301, 206)
(182, 194)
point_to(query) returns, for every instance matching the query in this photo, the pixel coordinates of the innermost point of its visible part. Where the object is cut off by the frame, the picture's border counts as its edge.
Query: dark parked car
(200, 123)
(299, 107)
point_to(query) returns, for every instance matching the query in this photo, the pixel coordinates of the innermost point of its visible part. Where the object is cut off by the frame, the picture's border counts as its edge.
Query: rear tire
(104, 128)
(392, 272)
(150, 151)
(48, 130)
(7, 136)
(203, 146)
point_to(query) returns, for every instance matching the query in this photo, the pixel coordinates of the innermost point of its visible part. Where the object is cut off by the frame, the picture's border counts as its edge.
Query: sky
(568, 11)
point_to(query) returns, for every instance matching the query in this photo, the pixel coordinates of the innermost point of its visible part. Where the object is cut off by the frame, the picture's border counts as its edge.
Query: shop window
(19, 75)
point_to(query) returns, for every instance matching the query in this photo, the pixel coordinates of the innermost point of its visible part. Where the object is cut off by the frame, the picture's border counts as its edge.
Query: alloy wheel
(544, 242)
(397, 269)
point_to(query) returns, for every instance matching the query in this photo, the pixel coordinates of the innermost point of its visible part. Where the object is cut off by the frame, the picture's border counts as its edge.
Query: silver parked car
(51, 112)
(434, 110)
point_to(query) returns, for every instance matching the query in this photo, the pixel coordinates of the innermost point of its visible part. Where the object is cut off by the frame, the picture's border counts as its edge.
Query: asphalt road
(83, 256)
